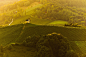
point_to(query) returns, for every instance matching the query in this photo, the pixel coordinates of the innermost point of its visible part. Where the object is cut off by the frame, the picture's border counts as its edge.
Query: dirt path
(22, 31)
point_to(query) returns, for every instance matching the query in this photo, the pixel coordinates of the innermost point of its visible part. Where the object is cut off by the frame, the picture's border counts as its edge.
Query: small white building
(27, 21)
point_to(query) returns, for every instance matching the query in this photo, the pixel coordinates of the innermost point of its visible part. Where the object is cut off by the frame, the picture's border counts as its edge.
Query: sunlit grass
(59, 22)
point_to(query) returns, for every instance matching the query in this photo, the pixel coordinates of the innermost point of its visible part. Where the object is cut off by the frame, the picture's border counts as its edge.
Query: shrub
(51, 45)
(1, 48)
(57, 44)
(24, 43)
(44, 52)
(9, 47)
(30, 44)
(31, 41)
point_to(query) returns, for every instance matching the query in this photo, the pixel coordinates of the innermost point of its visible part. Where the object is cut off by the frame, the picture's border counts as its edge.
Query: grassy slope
(81, 45)
(59, 22)
(9, 34)
(13, 32)
(75, 47)
(72, 33)
(17, 33)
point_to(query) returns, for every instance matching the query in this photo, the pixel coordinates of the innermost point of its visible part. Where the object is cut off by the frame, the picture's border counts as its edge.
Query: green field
(13, 32)
(81, 45)
(18, 33)
(59, 22)
(75, 47)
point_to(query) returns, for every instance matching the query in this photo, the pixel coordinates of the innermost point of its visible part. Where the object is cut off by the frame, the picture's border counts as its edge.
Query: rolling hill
(47, 12)
(42, 23)
(18, 33)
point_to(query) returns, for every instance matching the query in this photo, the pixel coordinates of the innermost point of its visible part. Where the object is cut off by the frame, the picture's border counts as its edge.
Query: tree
(54, 43)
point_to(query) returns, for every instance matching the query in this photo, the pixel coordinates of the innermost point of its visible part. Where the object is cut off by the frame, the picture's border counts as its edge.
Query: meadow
(73, 34)
(18, 33)
(59, 22)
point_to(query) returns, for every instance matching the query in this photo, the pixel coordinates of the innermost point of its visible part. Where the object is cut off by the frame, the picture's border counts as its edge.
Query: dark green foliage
(51, 45)
(1, 49)
(48, 11)
(9, 47)
(57, 45)
(30, 44)
(44, 52)
(31, 41)
(41, 42)
(72, 25)
(61, 10)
